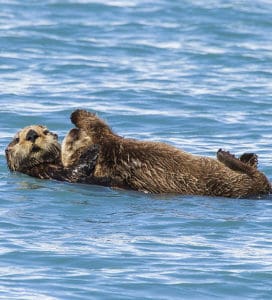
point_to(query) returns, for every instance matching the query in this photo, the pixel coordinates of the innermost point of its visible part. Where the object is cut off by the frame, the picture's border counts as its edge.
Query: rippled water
(196, 74)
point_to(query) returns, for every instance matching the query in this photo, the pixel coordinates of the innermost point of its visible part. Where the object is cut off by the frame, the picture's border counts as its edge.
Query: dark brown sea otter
(160, 168)
(35, 151)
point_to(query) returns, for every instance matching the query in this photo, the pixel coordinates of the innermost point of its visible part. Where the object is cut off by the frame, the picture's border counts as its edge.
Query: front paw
(89, 154)
(88, 158)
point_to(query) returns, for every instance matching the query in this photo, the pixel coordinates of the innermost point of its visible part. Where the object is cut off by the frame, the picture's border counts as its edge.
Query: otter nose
(32, 135)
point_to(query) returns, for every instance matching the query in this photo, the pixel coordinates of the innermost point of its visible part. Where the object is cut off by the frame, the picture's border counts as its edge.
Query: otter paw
(250, 159)
(222, 154)
(230, 161)
(86, 164)
(79, 116)
(89, 157)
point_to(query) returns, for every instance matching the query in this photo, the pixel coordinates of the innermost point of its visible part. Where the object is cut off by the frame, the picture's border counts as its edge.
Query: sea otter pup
(156, 167)
(35, 151)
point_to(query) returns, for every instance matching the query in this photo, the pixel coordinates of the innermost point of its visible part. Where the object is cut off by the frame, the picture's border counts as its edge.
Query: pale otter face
(32, 146)
(73, 145)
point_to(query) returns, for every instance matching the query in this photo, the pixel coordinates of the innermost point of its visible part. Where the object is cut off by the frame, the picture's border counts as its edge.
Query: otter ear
(81, 118)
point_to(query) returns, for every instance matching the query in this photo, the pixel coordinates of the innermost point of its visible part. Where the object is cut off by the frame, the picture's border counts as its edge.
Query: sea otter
(36, 151)
(156, 167)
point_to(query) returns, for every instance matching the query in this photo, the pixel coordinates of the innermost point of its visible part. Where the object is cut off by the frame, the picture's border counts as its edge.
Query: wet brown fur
(73, 145)
(160, 168)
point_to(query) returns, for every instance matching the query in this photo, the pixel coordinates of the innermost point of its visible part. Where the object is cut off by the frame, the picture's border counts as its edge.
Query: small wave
(111, 3)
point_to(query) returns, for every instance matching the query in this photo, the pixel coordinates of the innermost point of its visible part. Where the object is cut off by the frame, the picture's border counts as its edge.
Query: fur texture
(36, 151)
(28, 150)
(160, 168)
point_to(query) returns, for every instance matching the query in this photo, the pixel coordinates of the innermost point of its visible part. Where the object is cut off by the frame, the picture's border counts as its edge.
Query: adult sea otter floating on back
(93, 153)
(35, 151)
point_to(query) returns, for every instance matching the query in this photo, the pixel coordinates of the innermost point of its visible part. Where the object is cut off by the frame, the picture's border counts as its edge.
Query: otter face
(32, 146)
(73, 145)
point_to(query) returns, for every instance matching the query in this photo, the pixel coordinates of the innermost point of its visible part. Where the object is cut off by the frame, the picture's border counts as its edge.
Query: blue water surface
(195, 74)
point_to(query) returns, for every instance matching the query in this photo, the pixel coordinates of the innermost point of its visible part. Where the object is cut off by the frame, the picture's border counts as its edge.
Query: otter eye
(46, 132)
(17, 140)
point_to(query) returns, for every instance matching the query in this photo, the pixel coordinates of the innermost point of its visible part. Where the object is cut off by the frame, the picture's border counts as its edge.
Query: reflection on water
(194, 74)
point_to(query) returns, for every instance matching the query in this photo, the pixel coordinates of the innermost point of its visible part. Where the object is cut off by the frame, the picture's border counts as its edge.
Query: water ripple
(194, 74)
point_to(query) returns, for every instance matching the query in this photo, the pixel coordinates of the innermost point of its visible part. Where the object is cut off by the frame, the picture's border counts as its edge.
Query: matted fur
(158, 167)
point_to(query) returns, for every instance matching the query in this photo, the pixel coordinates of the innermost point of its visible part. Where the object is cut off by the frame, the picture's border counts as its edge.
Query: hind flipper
(82, 118)
(250, 159)
(234, 163)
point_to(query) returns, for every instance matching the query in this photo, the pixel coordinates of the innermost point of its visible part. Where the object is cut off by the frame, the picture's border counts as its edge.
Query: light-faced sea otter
(36, 151)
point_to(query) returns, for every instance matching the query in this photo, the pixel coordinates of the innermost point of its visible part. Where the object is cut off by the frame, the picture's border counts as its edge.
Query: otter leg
(234, 163)
(250, 159)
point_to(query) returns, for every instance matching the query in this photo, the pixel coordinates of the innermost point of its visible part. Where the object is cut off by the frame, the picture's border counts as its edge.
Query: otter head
(31, 146)
(73, 145)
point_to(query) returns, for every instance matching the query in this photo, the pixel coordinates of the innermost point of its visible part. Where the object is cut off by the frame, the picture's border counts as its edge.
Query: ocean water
(195, 74)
